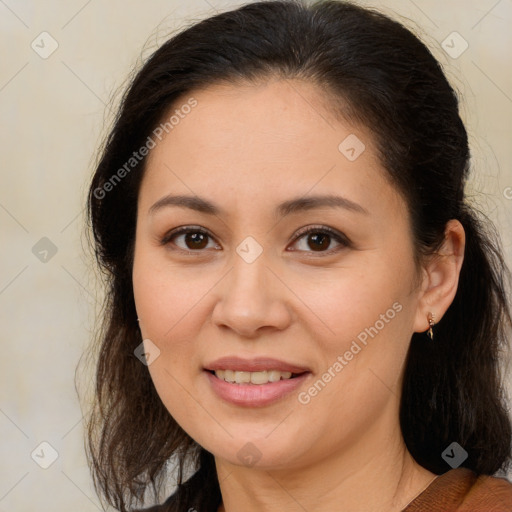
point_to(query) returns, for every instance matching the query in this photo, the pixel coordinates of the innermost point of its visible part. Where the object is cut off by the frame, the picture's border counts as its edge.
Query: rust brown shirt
(458, 490)
(462, 490)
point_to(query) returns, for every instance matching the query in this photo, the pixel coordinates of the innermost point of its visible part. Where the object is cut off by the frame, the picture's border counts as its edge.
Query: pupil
(321, 240)
(196, 240)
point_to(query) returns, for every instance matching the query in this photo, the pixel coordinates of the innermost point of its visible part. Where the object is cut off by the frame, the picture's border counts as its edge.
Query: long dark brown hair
(376, 72)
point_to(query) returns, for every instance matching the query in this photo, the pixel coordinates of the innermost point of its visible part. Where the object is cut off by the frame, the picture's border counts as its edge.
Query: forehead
(279, 136)
(276, 112)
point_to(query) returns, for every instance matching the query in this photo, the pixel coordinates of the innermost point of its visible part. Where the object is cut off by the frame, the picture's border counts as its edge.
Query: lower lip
(255, 395)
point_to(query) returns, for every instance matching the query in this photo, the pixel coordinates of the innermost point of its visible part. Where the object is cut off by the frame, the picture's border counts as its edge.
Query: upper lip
(254, 365)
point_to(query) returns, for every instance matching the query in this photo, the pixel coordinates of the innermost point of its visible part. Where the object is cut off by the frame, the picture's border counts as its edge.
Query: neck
(377, 473)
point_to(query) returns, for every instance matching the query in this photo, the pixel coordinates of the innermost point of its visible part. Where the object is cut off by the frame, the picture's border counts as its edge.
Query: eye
(319, 239)
(189, 239)
(310, 239)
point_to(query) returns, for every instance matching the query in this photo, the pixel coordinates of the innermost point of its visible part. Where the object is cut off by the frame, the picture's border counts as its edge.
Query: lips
(258, 393)
(255, 395)
(258, 364)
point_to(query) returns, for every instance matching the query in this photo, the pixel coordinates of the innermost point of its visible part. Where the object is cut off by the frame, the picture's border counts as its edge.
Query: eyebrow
(289, 207)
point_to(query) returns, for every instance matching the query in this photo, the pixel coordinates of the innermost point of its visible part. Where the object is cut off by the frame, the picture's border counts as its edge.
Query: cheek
(169, 306)
(165, 296)
(173, 307)
(344, 302)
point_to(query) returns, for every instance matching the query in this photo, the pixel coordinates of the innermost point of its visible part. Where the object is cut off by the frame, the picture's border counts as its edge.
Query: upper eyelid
(183, 230)
(319, 228)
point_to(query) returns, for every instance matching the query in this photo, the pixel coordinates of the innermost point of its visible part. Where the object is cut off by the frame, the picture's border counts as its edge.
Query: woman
(303, 312)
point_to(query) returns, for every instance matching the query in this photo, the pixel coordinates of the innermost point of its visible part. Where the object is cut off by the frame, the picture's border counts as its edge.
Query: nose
(252, 299)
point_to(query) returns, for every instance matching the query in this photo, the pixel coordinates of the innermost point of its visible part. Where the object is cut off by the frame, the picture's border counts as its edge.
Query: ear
(440, 279)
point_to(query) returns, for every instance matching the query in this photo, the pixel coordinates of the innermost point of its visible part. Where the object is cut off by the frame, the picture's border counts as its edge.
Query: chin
(259, 453)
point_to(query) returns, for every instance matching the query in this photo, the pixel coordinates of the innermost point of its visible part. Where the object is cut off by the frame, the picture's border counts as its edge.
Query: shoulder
(488, 493)
(462, 490)
(193, 495)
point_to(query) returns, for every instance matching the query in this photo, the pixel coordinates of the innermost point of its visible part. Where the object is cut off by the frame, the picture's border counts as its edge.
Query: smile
(260, 377)
(260, 391)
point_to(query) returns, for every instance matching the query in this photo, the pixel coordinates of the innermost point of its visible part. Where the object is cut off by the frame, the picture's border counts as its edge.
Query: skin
(247, 148)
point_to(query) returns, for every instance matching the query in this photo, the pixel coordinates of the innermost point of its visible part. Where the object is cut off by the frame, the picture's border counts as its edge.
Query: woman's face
(257, 165)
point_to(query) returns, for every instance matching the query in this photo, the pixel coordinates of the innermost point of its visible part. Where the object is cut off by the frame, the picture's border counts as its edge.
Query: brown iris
(321, 240)
(196, 240)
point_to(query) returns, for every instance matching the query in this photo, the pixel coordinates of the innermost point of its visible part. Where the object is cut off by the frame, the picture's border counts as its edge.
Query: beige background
(53, 114)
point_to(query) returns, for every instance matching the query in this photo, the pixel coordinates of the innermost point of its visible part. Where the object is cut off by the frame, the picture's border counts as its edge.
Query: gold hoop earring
(431, 324)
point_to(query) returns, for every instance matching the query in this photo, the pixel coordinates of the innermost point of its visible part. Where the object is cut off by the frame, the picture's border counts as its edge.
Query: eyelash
(338, 237)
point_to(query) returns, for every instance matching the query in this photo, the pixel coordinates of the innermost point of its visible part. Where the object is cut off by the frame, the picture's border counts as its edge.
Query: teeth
(241, 377)
(252, 377)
